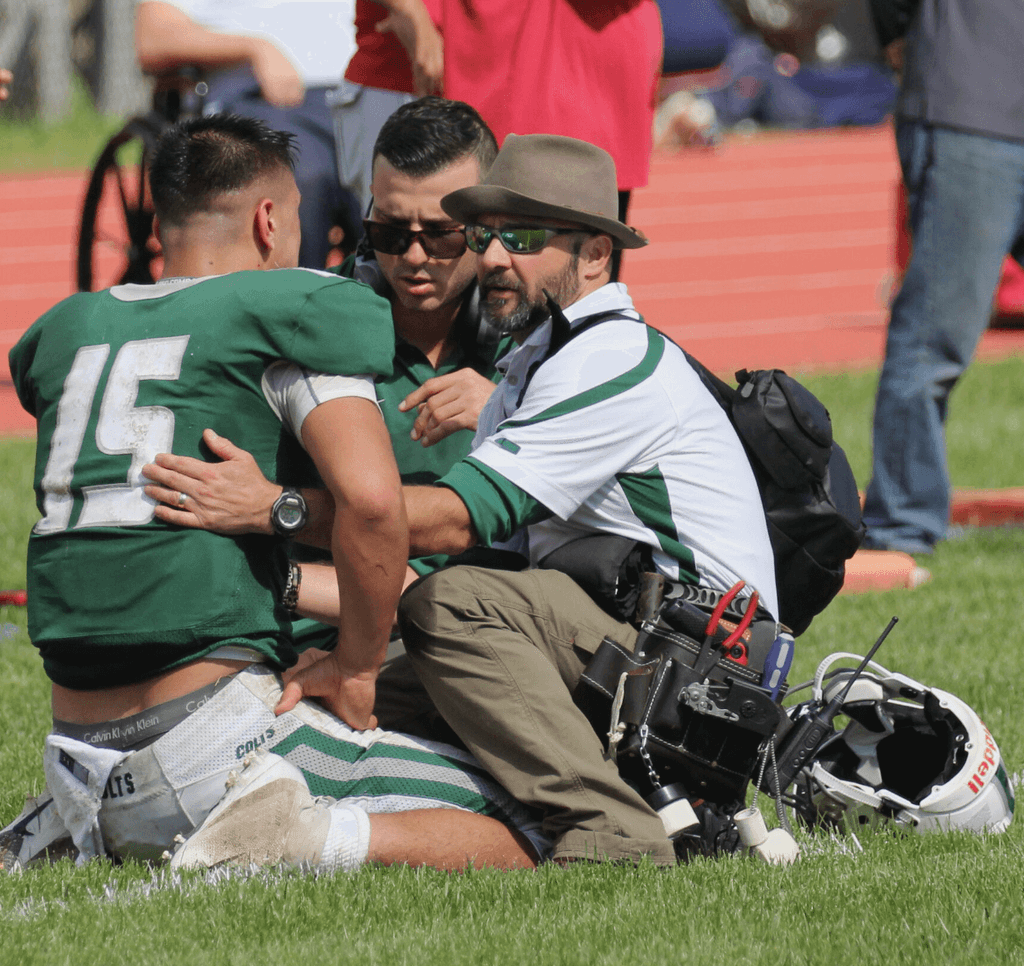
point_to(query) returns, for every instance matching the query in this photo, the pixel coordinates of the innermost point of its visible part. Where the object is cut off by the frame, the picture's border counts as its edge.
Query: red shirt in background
(587, 69)
(380, 60)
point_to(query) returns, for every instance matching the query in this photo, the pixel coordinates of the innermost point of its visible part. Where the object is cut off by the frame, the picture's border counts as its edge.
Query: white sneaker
(267, 817)
(36, 835)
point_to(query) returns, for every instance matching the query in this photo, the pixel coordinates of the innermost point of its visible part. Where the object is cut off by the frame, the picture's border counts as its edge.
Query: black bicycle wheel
(115, 240)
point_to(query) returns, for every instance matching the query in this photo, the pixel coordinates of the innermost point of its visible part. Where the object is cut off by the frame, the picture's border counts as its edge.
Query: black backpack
(809, 494)
(807, 487)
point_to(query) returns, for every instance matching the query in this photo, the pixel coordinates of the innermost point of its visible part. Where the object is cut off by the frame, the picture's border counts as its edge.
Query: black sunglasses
(394, 240)
(524, 240)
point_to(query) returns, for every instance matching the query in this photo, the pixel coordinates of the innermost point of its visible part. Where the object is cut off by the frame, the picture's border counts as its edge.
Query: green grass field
(71, 144)
(919, 900)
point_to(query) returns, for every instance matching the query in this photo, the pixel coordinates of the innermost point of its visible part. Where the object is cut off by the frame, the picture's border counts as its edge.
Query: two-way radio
(808, 732)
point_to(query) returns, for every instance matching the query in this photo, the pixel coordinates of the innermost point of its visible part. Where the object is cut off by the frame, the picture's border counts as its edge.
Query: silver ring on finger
(182, 497)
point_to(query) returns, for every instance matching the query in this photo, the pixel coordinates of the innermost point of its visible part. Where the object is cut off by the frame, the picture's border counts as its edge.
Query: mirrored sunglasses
(394, 240)
(525, 240)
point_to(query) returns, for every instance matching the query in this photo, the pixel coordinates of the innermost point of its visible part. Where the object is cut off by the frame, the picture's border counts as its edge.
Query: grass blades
(73, 143)
(941, 899)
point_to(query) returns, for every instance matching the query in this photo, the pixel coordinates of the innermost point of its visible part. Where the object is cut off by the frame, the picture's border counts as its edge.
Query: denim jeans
(358, 115)
(966, 204)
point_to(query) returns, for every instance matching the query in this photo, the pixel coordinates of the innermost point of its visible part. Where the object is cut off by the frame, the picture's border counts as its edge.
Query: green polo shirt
(421, 465)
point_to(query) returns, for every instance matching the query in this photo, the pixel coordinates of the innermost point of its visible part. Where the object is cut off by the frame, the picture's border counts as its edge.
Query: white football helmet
(910, 754)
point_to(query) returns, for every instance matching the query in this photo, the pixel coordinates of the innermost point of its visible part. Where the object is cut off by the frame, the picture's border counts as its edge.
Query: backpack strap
(562, 332)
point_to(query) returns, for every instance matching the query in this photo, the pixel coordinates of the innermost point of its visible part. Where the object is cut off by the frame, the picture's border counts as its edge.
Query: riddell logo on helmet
(988, 764)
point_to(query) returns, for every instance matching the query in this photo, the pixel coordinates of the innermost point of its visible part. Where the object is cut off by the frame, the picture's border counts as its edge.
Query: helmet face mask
(910, 756)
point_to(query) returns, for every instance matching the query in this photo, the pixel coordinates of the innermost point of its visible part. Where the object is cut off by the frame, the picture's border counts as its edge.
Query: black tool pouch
(607, 567)
(676, 724)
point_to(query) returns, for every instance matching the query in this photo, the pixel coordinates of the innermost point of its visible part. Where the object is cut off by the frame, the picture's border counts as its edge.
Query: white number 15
(122, 428)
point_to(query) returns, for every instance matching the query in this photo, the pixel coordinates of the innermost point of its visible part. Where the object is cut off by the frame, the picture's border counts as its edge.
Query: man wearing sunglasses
(598, 426)
(416, 256)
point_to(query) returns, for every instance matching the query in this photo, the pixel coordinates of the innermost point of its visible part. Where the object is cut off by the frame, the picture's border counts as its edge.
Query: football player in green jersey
(164, 644)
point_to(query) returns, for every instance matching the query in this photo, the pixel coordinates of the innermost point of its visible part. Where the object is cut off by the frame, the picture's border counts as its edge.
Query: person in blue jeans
(698, 34)
(960, 136)
(278, 61)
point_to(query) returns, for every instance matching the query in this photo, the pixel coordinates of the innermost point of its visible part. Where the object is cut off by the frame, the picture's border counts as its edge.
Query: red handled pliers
(732, 647)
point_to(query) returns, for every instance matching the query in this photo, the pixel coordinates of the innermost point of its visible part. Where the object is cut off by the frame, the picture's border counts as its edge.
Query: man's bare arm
(166, 39)
(231, 497)
(318, 592)
(438, 521)
(349, 444)
(235, 497)
(410, 22)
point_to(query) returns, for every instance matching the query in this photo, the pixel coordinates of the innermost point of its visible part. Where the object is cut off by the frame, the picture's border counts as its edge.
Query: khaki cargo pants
(499, 653)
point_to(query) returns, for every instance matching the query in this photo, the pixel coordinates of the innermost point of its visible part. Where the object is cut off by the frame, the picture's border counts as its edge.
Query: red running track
(776, 250)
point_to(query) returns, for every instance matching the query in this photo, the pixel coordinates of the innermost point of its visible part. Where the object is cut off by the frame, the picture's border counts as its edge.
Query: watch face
(289, 515)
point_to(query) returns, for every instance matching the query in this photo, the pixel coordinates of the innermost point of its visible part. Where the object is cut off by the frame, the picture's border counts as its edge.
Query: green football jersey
(115, 377)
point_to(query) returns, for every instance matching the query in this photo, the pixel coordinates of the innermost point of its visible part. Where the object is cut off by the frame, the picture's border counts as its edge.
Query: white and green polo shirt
(616, 433)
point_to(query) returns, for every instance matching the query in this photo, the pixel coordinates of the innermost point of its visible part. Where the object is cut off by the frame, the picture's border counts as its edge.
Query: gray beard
(564, 290)
(523, 317)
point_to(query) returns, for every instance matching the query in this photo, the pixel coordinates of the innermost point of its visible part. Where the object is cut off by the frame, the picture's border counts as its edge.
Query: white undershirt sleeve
(294, 392)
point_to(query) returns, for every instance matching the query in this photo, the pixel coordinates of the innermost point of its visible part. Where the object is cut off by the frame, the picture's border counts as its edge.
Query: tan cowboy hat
(548, 176)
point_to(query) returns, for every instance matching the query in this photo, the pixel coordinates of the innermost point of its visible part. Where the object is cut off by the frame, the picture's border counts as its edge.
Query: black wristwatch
(288, 515)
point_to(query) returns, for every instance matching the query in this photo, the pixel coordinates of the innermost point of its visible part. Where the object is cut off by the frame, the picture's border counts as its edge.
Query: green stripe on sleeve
(497, 508)
(648, 498)
(614, 387)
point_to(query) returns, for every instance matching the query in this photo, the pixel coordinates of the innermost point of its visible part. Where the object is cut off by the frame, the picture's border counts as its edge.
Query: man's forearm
(438, 521)
(318, 592)
(410, 21)
(369, 538)
(370, 561)
(166, 39)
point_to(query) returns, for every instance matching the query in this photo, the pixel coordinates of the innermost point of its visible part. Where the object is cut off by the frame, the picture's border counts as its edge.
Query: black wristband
(290, 597)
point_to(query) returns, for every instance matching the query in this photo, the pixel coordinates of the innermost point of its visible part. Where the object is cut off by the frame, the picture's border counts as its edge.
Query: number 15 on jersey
(122, 428)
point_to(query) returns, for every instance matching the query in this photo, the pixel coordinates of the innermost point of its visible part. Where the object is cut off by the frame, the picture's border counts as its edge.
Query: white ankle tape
(348, 839)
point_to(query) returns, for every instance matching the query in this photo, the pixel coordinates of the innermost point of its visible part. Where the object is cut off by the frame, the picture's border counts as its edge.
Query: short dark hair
(198, 159)
(427, 135)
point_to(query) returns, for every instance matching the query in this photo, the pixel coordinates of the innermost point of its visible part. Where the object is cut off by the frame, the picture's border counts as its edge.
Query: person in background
(279, 61)
(960, 137)
(588, 70)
